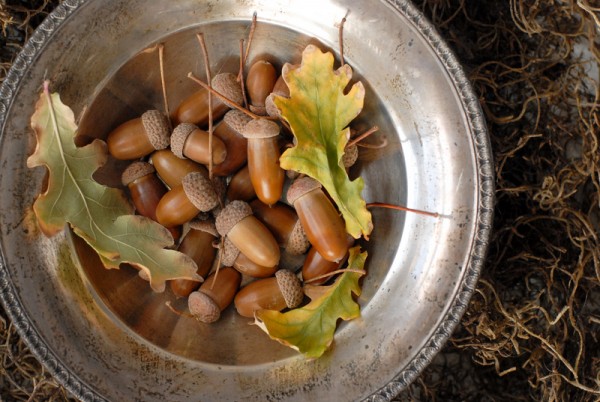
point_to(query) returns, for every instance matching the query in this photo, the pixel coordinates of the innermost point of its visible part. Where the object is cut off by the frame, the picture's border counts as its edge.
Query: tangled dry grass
(532, 330)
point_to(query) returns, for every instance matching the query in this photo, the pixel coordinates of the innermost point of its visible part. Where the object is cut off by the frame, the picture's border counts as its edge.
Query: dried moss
(532, 329)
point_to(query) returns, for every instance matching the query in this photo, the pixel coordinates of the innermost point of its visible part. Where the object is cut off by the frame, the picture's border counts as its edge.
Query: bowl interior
(135, 88)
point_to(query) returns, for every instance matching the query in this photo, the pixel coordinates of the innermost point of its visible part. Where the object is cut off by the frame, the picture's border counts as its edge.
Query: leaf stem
(401, 208)
(341, 38)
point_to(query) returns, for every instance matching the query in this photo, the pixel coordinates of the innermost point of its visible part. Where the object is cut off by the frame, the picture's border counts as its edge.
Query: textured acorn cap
(236, 119)
(300, 187)
(135, 171)
(203, 308)
(156, 126)
(290, 287)
(229, 253)
(204, 226)
(233, 212)
(260, 128)
(270, 107)
(259, 110)
(200, 191)
(178, 137)
(297, 243)
(226, 84)
(350, 156)
(220, 186)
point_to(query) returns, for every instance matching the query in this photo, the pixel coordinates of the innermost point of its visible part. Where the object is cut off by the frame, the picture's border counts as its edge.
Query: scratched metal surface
(105, 337)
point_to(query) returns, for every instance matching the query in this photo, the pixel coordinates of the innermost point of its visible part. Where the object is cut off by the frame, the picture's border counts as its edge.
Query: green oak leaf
(100, 215)
(318, 112)
(310, 329)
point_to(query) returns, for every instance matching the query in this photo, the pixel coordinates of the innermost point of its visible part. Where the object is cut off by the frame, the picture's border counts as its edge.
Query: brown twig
(161, 58)
(401, 208)
(362, 136)
(332, 273)
(200, 38)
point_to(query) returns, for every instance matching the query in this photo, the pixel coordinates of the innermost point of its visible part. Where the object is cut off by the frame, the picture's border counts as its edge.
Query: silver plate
(105, 337)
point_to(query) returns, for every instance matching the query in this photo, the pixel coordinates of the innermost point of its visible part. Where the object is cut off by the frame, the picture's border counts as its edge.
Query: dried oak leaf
(318, 112)
(100, 215)
(310, 329)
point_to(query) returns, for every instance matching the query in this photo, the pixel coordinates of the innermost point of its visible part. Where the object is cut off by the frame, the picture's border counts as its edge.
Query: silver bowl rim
(483, 155)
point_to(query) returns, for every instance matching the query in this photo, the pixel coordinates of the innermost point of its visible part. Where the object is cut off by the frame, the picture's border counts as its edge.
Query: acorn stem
(161, 64)
(240, 77)
(356, 140)
(200, 37)
(401, 208)
(250, 36)
(332, 273)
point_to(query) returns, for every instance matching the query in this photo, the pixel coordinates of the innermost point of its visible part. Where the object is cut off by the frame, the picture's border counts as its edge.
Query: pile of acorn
(239, 210)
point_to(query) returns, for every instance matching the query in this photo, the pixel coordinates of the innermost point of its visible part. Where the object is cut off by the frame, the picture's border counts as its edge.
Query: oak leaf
(310, 329)
(318, 112)
(100, 215)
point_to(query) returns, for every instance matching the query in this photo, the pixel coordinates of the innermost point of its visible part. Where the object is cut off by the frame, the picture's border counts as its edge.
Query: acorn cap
(226, 84)
(350, 156)
(229, 253)
(220, 186)
(200, 191)
(204, 226)
(203, 308)
(156, 126)
(300, 187)
(270, 107)
(290, 287)
(260, 128)
(135, 171)
(233, 212)
(259, 110)
(297, 243)
(236, 119)
(178, 137)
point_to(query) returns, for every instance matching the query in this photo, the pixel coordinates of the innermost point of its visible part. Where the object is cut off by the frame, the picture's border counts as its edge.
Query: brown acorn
(146, 190)
(182, 203)
(315, 265)
(194, 109)
(214, 295)
(323, 225)
(198, 244)
(248, 234)
(139, 137)
(229, 131)
(260, 81)
(275, 293)
(263, 159)
(172, 169)
(240, 186)
(188, 141)
(283, 222)
(231, 256)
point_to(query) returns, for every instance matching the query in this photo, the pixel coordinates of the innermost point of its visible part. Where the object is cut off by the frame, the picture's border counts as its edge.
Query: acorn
(315, 265)
(275, 293)
(182, 203)
(229, 131)
(260, 81)
(248, 234)
(172, 169)
(139, 137)
(280, 89)
(231, 256)
(240, 186)
(146, 190)
(323, 225)
(214, 295)
(188, 141)
(283, 222)
(263, 159)
(194, 109)
(198, 244)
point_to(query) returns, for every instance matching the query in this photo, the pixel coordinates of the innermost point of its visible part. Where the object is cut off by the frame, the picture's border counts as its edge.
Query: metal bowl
(105, 336)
